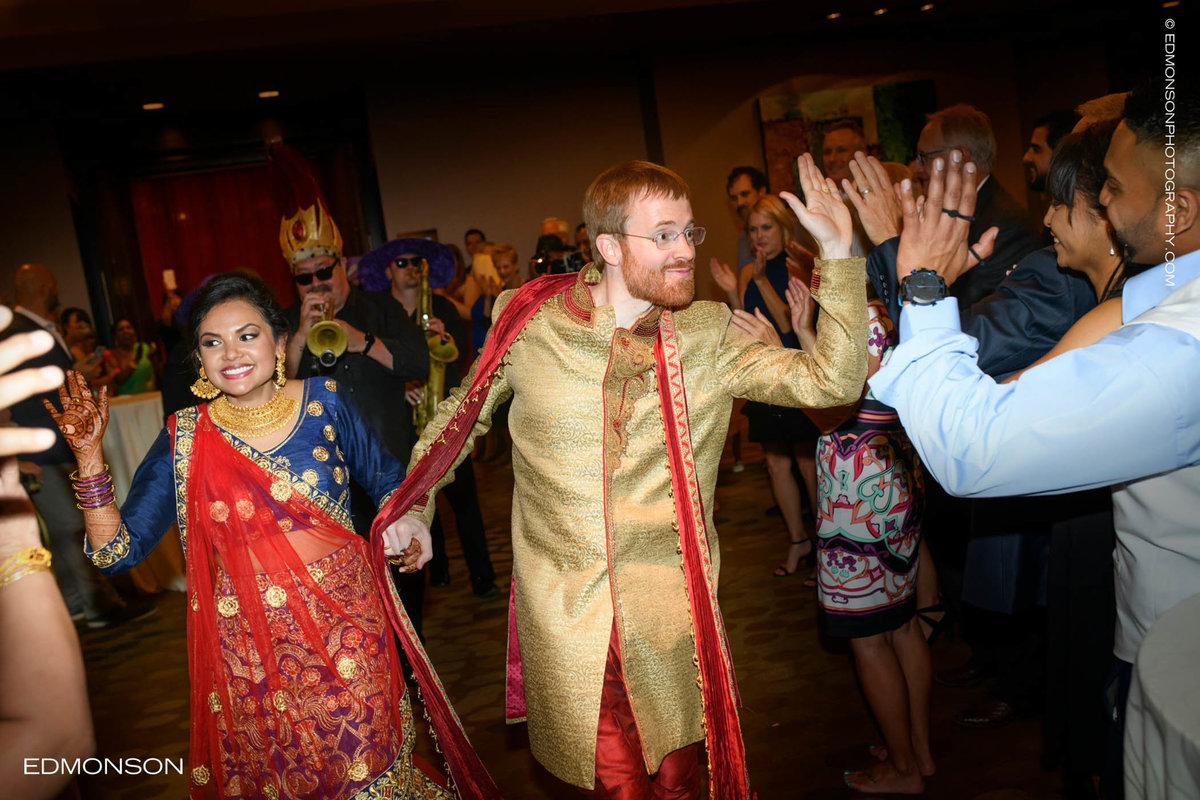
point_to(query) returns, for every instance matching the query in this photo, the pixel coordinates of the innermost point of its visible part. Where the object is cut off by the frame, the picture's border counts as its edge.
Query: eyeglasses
(403, 262)
(923, 157)
(322, 274)
(664, 239)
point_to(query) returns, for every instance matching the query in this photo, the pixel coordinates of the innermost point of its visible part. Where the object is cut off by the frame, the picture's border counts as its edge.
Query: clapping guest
(135, 369)
(92, 360)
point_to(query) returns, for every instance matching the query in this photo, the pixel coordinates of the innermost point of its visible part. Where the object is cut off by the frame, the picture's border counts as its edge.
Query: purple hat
(372, 268)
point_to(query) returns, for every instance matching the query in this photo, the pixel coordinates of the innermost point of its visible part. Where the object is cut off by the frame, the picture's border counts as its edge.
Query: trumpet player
(396, 268)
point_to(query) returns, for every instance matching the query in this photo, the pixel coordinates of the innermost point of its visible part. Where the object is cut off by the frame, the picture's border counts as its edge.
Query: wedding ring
(864, 192)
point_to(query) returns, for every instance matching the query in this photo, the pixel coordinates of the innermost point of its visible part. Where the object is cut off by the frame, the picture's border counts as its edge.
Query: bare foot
(883, 778)
(925, 763)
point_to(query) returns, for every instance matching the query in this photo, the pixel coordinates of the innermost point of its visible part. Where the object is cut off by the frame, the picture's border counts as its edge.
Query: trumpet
(326, 339)
(440, 354)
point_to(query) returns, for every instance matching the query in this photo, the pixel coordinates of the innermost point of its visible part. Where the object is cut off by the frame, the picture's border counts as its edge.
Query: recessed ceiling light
(269, 93)
(151, 106)
(927, 7)
(879, 12)
(1171, 4)
(834, 15)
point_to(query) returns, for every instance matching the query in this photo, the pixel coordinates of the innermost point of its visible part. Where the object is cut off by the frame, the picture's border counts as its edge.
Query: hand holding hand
(937, 226)
(83, 417)
(873, 197)
(406, 543)
(822, 213)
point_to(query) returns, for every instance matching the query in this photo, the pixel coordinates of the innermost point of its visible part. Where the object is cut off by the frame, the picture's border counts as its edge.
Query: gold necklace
(250, 423)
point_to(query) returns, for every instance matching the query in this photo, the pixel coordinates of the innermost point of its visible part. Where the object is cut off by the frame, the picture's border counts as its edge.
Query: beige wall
(35, 216)
(500, 156)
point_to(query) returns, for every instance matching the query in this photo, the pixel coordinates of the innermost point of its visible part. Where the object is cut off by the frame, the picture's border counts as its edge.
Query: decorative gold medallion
(281, 700)
(270, 792)
(245, 508)
(339, 474)
(276, 596)
(315, 408)
(310, 477)
(280, 491)
(346, 667)
(200, 775)
(218, 511)
(285, 524)
(329, 432)
(331, 384)
(358, 771)
(320, 453)
(317, 574)
(214, 702)
(227, 606)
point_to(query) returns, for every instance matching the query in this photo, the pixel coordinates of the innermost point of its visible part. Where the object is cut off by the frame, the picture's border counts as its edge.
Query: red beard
(655, 286)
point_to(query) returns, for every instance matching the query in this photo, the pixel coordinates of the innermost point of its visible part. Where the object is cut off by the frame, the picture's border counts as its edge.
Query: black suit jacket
(1015, 240)
(1017, 324)
(377, 391)
(30, 413)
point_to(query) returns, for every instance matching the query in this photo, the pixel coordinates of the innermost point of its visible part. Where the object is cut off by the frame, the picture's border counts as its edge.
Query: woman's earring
(280, 371)
(204, 388)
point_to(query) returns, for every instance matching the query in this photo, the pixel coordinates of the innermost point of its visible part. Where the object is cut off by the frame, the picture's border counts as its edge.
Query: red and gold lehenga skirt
(296, 687)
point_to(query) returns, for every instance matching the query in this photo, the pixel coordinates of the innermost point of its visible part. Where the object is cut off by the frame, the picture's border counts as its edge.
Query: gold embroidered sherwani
(593, 516)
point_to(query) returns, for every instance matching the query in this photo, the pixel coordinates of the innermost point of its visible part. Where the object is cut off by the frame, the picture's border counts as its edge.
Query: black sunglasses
(403, 262)
(322, 274)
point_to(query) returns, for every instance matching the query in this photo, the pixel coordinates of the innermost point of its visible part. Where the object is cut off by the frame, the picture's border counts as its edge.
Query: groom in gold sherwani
(622, 387)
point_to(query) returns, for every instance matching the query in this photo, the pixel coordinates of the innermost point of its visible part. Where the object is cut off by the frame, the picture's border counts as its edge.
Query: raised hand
(878, 206)
(937, 226)
(725, 277)
(756, 325)
(822, 213)
(799, 258)
(83, 417)
(804, 313)
(21, 385)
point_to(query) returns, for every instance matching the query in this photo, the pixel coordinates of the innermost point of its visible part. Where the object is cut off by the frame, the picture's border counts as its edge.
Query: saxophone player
(397, 268)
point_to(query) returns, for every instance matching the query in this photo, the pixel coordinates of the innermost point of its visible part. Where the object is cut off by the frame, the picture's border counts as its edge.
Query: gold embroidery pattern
(320, 454)
(358, 771)
(346, 667)
(276, 596)
(339, 474)
(214, 702)
(318, 574)
(245, 508)
(281, 491)
(331, 384)
(227, 606)
(200, 775)
(218, 511)
(329, 432)
(116, 549)
(314, 408)
(185, 430)
(310, 477)
(270, 792)
(280, 701)
(195, 603)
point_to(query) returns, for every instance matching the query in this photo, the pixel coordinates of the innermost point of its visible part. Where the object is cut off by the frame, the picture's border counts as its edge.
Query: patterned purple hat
(372, 268)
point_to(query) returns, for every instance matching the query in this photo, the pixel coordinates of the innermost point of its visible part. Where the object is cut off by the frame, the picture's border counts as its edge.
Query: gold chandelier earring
(280, 371)
(204, 388)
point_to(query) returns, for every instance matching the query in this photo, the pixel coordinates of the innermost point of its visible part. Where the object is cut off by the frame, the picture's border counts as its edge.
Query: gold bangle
(74, 476)
(22, 563)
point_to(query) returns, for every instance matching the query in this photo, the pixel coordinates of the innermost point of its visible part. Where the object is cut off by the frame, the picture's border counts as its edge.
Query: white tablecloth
(1162, 720)
(134, 421)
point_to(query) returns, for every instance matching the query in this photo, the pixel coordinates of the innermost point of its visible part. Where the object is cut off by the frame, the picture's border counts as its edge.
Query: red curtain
(203, 223)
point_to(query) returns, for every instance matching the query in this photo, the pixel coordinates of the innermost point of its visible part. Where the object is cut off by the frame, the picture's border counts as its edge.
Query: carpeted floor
(804, 719)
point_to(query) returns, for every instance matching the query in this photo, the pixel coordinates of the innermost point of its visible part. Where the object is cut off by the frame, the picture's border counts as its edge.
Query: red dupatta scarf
(728, 779)
(252, 536)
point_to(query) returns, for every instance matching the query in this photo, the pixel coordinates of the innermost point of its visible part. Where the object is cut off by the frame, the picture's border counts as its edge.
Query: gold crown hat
(305, 229)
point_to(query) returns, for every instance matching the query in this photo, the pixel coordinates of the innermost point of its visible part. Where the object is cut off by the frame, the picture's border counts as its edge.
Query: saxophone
(440, 354)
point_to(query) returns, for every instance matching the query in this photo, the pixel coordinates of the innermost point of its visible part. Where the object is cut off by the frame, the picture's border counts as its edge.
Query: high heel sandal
(809, 560)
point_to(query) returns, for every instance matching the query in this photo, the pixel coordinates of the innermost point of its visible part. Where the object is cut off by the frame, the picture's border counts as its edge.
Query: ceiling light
(927, 7)
(269, 93)
(1171, 4)
(879, 12)
(834, 15)
(151, 106)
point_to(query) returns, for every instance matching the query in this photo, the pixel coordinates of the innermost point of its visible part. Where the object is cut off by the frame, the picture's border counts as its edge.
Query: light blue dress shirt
(1124, 408)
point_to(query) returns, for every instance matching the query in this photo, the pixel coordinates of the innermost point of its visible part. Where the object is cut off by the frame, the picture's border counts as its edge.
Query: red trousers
(620, 766)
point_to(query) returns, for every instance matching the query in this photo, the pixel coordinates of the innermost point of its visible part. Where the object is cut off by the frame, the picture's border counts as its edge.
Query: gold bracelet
(22, 563)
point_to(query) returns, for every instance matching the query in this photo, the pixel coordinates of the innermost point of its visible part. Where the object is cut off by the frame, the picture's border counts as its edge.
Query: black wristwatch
(923, 287)
(369, 341)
